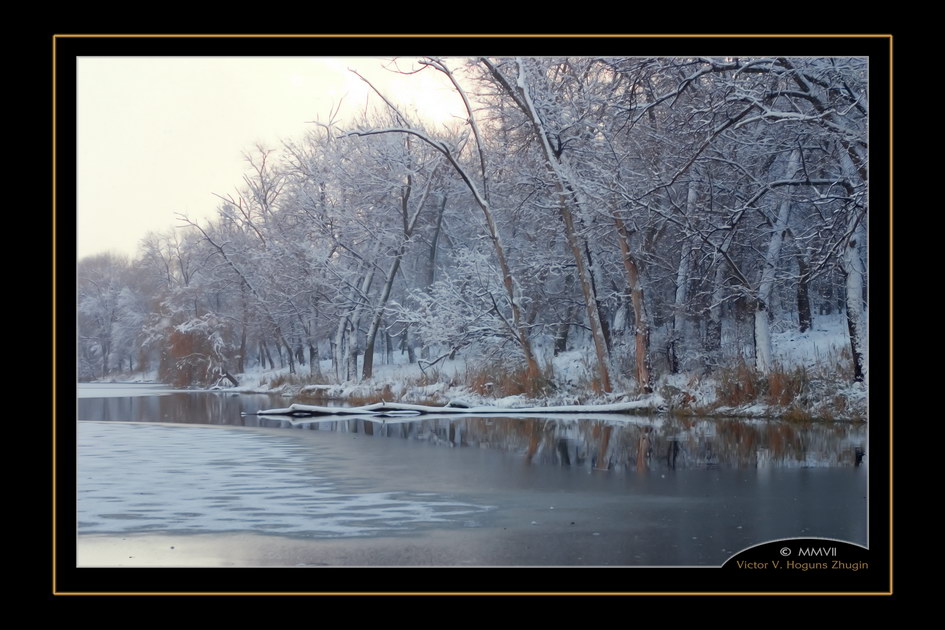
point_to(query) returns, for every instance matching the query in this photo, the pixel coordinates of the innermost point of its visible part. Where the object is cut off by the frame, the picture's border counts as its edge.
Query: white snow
(824, 346)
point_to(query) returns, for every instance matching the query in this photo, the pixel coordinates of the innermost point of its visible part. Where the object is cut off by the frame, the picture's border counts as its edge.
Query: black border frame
(68, 580)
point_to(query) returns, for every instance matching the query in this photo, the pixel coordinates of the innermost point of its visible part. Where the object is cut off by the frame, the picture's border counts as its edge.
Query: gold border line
(54, 174)
(472, 36)
(890, 315)
(477, 593)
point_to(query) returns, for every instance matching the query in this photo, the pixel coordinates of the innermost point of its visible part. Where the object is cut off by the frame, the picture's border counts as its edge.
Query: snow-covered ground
(826, 343)
(823, 352)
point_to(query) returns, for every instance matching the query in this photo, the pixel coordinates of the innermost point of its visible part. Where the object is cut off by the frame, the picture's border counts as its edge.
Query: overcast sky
(160, 135)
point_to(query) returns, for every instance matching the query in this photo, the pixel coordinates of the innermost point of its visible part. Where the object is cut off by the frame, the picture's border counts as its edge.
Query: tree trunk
(762, 334)
(762, 337)
(288, 351)
(368, 368)
(713, 330)
(561, 172)
(241, 360)
(409, 222)
(411, 356)
(804, 319)
(854, 270)
(352, 357)
(338, 348)
(562, 330)
(268, 356)
(590, 299)
(679, 305)
(104, 347)
(348, 330)
(641, 325)
(682, 287)
(313, 367)
(593, 273)
(434, 243)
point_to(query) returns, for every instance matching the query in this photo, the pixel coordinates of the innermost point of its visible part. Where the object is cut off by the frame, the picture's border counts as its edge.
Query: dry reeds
(744, 385)
(499, 381)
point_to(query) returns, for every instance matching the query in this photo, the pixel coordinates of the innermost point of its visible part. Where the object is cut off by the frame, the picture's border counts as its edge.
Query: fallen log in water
(400, 409)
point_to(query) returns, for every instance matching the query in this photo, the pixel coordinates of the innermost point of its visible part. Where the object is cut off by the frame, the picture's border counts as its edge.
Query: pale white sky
(161, 135)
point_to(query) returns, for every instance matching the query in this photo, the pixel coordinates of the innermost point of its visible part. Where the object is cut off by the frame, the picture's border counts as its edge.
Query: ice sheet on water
(136, 478)
(113, 390)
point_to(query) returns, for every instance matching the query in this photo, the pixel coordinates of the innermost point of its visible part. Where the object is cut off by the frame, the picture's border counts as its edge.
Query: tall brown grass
(743, 385)
(499, 381)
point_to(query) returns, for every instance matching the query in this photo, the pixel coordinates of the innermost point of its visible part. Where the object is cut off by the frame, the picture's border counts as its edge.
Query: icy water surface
(455, 491)
(199, 479)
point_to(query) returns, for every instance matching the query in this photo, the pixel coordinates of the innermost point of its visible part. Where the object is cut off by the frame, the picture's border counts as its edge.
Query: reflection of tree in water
(636, 445)
(594, 443)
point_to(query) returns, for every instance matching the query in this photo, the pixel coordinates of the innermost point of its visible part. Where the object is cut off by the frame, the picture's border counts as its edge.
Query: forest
(649, 216)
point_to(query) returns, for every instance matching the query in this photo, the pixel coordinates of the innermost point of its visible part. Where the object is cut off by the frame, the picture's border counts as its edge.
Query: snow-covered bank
(811, 380)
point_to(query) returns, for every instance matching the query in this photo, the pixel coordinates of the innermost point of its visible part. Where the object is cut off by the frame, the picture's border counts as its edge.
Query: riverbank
(811, 381)
(799, 395)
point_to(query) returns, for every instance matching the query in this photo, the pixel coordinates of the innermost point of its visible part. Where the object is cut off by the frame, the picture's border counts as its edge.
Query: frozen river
(182, 479)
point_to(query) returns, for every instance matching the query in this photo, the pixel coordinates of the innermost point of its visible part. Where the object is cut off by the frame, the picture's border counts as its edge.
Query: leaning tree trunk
(564, 180)
(590, 299)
